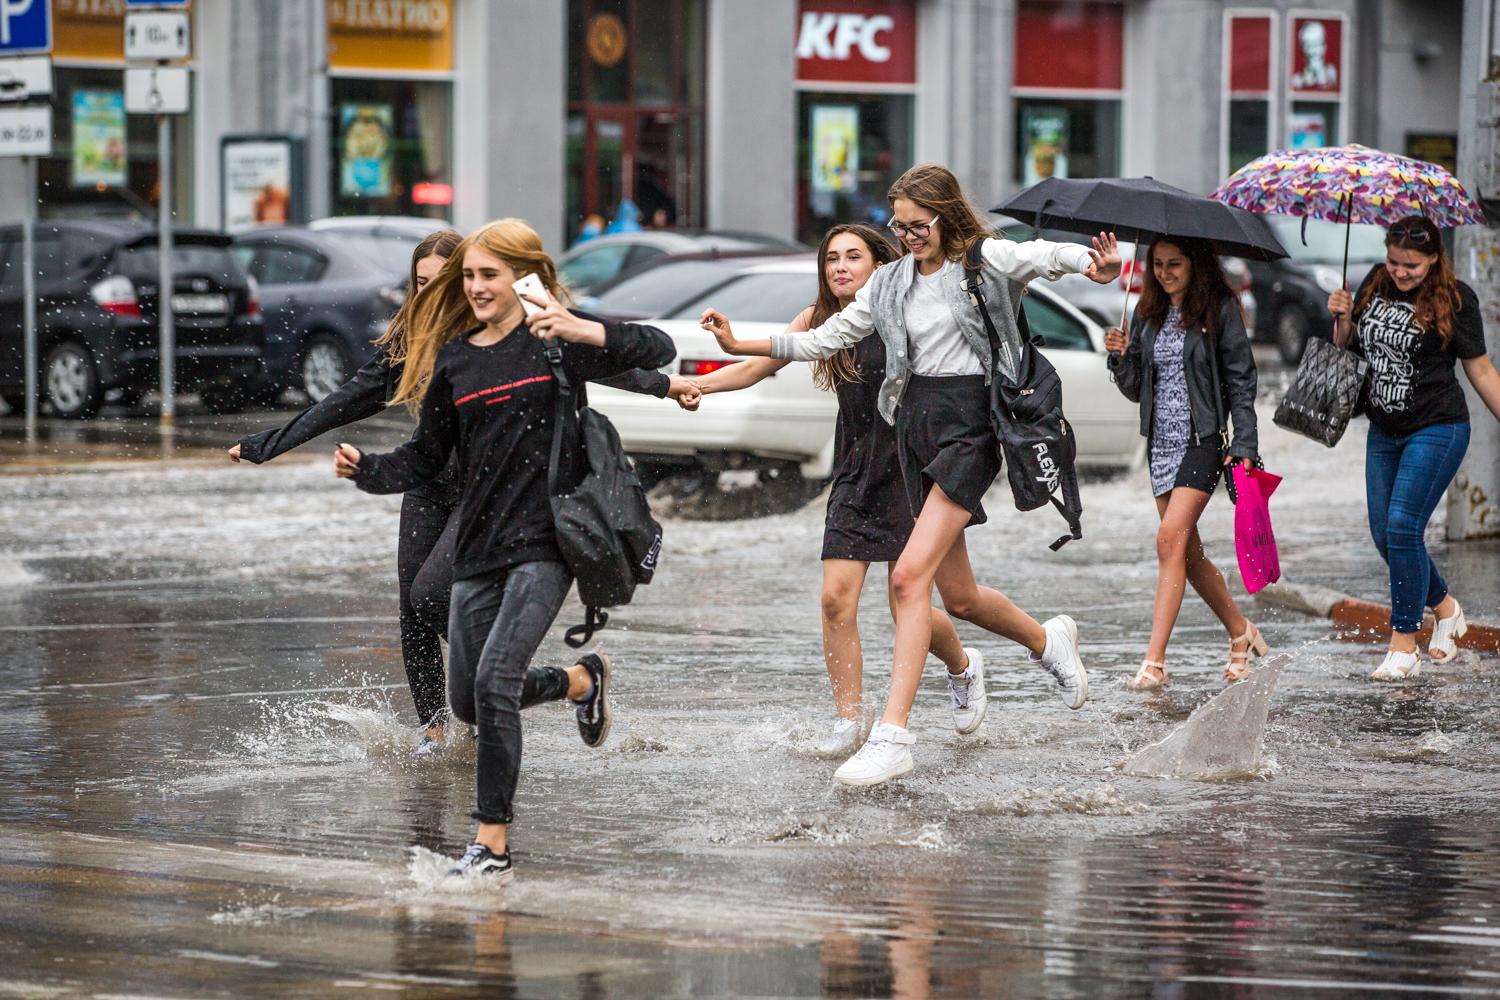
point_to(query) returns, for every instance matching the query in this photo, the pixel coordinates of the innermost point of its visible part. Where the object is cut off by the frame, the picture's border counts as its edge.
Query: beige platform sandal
(1239, 660)
(1151, 676)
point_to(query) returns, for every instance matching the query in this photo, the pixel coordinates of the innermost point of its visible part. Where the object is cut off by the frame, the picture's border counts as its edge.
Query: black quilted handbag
(1324, 393)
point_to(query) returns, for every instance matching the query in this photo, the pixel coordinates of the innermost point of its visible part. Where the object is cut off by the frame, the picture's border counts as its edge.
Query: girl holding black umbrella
(1412, 318)
(1188, 364)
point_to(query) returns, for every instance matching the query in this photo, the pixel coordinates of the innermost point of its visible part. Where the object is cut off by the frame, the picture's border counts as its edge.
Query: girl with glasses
(868, 517)
(939, 364)
(1411, 318)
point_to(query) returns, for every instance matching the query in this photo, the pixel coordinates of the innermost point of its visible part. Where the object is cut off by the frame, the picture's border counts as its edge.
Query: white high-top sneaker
(967, 692)
(885, 755)
(1060, 659)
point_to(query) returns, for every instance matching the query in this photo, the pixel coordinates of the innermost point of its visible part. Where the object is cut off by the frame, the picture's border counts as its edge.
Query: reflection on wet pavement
(206, 784)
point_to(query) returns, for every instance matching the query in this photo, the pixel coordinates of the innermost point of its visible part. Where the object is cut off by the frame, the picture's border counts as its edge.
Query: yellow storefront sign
(89, 29)
(390, 35)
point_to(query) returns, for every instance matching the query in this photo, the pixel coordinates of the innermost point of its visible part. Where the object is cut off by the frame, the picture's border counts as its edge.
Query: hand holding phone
(531, 285)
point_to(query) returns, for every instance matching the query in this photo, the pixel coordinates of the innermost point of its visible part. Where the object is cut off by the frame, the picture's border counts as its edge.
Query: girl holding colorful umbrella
(1411, 319)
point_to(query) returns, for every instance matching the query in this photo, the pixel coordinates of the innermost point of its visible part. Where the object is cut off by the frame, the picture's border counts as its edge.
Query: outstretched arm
(746, 373)
(363, 395)
(1024, 262)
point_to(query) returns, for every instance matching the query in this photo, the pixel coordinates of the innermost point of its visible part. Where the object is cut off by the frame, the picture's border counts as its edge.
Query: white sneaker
(1397, 667)
(841, 740)
(967, 691)
(1060, 659)
(885, 755)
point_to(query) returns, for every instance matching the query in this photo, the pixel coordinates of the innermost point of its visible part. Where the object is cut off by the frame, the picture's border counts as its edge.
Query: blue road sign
(25, 26)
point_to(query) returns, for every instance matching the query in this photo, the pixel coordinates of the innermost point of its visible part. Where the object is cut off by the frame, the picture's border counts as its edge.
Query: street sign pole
(168, 344)
(28, 295)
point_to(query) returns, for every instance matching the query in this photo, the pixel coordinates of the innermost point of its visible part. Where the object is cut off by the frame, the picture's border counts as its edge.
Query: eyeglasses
(920, 230)
(1411, 234)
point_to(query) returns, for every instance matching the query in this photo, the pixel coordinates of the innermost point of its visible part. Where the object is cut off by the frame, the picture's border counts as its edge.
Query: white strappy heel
(1445, 633)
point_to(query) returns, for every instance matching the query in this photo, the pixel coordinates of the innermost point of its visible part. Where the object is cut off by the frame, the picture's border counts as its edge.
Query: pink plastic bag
(1254, 541)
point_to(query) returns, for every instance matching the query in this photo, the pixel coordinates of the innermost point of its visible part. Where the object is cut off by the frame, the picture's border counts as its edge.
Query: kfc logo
(1317, 51)
(857, 41)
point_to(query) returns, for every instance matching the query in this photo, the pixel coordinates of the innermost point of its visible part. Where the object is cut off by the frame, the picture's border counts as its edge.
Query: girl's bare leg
(1179, 511)
(843, 579)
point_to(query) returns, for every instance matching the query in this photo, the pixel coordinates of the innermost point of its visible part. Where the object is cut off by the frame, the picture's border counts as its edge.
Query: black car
(659, 286)
(97, 325)
(1291, 295)
(327, 294)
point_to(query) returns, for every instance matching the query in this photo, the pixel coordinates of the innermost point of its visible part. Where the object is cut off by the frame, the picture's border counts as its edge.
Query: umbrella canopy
(1379, 187)
(1142, 206)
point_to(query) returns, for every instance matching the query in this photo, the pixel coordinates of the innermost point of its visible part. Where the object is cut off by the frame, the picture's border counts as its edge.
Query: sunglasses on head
(1413, 234)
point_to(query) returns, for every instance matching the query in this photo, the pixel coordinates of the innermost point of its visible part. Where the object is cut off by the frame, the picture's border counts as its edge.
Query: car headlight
(1330, 279)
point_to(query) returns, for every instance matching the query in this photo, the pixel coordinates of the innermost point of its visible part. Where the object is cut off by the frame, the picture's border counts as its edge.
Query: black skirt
(868, 518)
(1202, 465)
(943, 427)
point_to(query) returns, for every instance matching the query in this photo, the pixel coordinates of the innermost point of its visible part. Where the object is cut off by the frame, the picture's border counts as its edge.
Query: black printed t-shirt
(494, 405)
(1412, 382)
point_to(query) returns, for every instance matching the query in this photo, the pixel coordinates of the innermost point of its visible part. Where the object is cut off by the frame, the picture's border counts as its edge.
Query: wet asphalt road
(206, 785)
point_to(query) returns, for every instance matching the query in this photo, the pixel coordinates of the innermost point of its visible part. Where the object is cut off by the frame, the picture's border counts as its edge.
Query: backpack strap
(566, 397)
(594, 620)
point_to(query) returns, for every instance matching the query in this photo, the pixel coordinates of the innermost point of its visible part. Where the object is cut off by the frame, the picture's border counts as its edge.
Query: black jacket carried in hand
(1213, 362)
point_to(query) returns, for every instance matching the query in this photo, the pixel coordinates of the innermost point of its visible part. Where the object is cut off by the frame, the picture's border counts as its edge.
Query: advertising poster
(1317, 51)
(835, 148)
(1045, 132)
(98, 138)
(257, 183)
(1309, 129)
(365, 147)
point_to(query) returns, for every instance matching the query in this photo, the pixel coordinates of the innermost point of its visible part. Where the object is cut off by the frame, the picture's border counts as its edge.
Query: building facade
(774, 115)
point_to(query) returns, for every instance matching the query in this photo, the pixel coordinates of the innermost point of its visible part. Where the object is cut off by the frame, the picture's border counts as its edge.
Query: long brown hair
(1437, 296)
(827, 373)
(933, 186)
(441, 243)
(1207, 289)
(442, 312)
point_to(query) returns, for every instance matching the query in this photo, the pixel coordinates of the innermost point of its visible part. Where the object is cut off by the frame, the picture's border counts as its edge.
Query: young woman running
(868, 517)
(936, 393)
(1412, 318)
(1188, 323)
(424, 550)
(489, 400)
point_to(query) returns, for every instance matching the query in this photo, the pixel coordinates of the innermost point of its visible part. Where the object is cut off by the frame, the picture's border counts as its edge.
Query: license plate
(200, 303)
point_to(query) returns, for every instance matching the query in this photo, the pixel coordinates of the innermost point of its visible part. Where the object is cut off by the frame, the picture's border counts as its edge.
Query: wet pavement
(207, 787)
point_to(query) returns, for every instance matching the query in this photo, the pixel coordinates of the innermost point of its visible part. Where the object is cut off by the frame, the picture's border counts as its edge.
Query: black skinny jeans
(495, 626)
(424, 567)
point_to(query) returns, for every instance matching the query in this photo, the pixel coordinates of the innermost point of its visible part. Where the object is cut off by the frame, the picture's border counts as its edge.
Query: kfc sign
(849, 41)
(1317, 55)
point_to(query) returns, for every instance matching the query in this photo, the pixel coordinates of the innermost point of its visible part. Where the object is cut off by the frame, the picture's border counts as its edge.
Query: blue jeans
(1405, 477)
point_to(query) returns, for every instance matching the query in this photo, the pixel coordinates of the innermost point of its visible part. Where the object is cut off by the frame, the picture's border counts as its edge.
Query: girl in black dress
(868, 518)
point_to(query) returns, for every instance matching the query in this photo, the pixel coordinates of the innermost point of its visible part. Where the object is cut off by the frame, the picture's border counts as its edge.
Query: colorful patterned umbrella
(1380, 187)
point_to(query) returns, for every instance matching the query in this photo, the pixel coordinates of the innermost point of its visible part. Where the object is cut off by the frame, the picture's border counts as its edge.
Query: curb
(1355, 620)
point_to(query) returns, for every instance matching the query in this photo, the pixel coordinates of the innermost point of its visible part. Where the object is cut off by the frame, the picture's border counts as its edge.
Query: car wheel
(225, 398)
(325, 367)
(1292, 331)
(70, 381)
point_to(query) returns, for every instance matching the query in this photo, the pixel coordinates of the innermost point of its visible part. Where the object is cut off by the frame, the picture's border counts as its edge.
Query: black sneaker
(593, 712)
(480, 860)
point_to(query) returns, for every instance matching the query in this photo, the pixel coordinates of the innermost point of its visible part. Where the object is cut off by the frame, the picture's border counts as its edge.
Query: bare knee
(1171, 546)
(840, 603)
(909, 586)
(963, 606)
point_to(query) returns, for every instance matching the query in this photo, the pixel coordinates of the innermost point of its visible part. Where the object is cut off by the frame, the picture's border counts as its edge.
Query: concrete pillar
(1474, 498)
(750, 159)
(509, 115)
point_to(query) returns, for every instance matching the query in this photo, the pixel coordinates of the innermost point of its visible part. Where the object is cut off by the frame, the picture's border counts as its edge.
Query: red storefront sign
(850, 41)
(1317, 47)
(1070, 45)
(1250, 55)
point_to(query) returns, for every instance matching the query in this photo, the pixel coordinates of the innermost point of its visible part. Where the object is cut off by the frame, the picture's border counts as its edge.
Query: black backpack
(1035, 439)
(604, 525)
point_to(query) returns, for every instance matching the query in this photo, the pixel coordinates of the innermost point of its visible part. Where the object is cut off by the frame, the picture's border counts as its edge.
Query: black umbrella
(1142, 207)
(1139, 207)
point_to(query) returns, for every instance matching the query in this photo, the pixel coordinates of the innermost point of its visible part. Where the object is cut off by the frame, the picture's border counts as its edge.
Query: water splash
(1103, 800)
(1222, 738)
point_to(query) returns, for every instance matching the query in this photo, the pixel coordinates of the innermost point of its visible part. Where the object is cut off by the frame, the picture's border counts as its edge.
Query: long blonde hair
(442, 312)
(438, 244)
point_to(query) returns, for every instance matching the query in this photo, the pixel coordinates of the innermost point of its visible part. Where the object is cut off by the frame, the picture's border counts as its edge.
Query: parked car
(97, 285)
(327, 294)
(590, 265)
(786, 422)
(1105, 304)
(1293, 293)
(660, 285)
(402, 228)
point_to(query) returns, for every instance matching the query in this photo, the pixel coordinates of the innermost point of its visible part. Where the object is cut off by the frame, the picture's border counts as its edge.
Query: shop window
(389, 136)
(850, 149)
(1066, 138)
(1248, 88)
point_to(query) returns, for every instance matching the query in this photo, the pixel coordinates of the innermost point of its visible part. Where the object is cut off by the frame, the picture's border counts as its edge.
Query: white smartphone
(531, 285)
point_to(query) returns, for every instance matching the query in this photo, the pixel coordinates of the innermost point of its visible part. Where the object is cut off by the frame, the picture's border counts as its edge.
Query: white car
(786, 420)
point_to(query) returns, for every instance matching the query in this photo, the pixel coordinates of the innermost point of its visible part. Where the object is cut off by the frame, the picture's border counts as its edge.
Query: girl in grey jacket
(937, 372)
(1189, 366)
